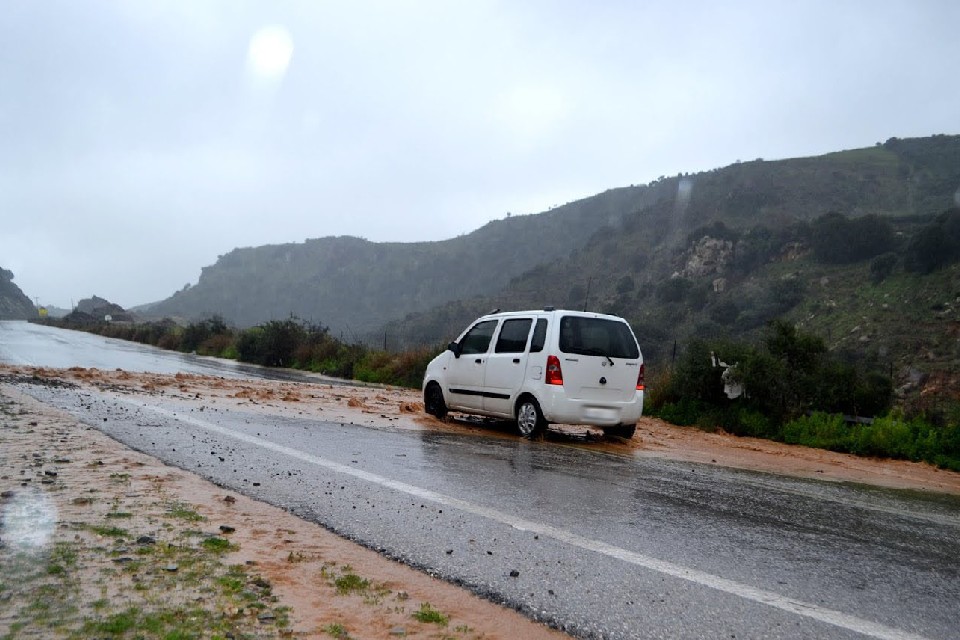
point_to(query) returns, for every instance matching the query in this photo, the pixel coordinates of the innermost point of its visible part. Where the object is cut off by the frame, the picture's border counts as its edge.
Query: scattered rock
(266, 617)
(172, 568)
(224, 528)
(398, 631)
(146, 540)
(514, 574)
(229, 499)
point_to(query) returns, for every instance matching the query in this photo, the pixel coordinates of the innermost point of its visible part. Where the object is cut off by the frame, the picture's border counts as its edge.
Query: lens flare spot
(271, 49)
(28, 520)
(684, 192)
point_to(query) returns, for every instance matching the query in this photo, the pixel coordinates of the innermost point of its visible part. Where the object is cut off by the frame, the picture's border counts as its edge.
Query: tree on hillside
(936, 245)
(837, 239)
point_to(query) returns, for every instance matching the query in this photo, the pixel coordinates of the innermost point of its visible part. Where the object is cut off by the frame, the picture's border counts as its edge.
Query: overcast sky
(141, 139)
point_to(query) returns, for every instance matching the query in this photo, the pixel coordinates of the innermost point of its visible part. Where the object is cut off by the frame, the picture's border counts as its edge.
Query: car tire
(530, 420)
(433, 402)
(621, 430)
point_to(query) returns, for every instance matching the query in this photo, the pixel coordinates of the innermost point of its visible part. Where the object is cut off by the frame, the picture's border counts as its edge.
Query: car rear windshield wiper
(598, 352)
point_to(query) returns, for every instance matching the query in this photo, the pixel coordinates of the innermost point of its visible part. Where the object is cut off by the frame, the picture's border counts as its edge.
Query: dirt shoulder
(255, 570)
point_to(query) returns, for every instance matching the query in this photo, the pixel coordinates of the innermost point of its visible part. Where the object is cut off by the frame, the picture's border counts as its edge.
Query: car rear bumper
(558, 408)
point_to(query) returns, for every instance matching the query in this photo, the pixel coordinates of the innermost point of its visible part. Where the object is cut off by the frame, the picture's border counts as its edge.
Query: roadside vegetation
(792, 388)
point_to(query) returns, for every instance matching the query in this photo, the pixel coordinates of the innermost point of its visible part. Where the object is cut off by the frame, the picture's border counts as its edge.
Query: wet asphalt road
(597, 544)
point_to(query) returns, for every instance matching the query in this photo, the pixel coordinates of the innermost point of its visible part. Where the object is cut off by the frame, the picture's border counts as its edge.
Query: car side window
(477, 339)
(539, 336)
(513, 336)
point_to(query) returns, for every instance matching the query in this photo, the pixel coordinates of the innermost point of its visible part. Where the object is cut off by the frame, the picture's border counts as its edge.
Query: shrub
(821, 430)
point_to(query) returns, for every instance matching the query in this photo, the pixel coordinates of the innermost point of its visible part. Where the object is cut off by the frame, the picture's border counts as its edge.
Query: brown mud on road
(403, 409)
(96, 539)
(318, 585)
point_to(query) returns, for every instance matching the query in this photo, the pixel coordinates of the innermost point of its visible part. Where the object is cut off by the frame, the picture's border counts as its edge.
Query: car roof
(549, 312)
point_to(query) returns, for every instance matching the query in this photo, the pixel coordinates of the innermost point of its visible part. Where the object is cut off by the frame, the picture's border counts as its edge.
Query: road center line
(791, 605)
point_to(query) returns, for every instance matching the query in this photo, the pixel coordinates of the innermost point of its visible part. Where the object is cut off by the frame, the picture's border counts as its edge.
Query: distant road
(35, 345)
(601, 545)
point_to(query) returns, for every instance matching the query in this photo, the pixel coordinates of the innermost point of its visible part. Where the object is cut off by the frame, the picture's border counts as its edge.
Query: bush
(936, 245)
(882, 266)
(839, 240)
(820, 430)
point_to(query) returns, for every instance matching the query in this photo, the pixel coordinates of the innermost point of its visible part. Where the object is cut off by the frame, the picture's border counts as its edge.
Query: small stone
(398, 631)
(52, 474)
(123, 559)
(449, 552)
(266, 617)
(146, 540)
(224, 528)
(514, 574)
(229, 499)
(7, 494)
(172, 568)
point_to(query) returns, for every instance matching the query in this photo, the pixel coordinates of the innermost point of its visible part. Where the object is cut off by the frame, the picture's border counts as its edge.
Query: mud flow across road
(318, 585)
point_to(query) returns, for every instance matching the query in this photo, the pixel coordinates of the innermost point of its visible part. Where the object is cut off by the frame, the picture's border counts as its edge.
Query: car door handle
(479, 360)
(516, 361)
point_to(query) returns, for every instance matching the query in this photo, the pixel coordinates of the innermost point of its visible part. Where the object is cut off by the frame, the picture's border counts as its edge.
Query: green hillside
(854, 245)
(829, 243)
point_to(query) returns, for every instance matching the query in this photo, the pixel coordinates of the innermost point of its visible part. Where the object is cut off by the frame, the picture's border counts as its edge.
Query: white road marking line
(791, 605)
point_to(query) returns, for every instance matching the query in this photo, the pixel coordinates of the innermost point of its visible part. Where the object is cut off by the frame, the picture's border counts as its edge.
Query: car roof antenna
(586, 296)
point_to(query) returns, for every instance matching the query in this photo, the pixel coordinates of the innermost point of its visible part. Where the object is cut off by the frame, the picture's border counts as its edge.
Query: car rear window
(597, 337)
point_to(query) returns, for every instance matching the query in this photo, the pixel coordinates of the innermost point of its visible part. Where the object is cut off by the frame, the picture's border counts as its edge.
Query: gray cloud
(138, 144)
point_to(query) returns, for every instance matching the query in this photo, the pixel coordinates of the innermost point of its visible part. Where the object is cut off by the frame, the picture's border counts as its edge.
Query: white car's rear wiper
(598, 352)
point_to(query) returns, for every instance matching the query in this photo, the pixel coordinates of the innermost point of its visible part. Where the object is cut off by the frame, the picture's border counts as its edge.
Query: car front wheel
(433, 402)
(530, 420)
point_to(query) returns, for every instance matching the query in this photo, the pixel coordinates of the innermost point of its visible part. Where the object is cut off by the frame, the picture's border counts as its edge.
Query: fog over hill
(714, 253)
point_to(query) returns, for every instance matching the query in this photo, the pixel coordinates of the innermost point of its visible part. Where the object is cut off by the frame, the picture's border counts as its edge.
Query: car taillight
(640, 378)
(554, 374)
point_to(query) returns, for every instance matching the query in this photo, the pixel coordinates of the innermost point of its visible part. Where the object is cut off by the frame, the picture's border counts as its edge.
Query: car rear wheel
(621, 430)
(530, 420)
(433, 402)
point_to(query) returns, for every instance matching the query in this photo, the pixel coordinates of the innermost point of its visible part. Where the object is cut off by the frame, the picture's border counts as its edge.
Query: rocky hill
(355, 286)
(860, 247)
(14, 304)
(840, 243)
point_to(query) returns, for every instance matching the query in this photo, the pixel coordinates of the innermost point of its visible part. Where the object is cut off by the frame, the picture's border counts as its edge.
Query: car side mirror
(456, 348)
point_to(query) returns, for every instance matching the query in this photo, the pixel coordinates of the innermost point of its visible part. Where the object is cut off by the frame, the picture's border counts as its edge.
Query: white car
(541, 367)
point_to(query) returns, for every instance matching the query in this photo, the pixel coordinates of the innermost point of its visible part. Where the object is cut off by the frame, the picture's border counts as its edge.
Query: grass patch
(351, 583)
(110, 532)
(218, 544)
(337, 630)
(430, 615)
(183, 512)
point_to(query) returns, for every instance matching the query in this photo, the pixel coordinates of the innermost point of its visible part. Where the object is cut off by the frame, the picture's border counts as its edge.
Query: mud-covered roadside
(402, 408)
(97, 540)
(253, 569)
